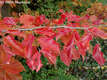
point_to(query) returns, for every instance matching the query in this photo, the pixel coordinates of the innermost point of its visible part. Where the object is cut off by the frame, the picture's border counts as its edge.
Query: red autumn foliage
(98, 55)
(34, 62)
(10, 68)
(26, 19)
(14, 45)
(47, 39)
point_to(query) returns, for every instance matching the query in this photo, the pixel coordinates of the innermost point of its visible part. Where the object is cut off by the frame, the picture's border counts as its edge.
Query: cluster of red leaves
(9, 66)
(74, 44)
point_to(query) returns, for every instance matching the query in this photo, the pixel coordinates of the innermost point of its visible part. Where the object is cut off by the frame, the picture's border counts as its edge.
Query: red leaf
(81, 49)
(8, 50)
(66, 38)
(85, 40)
(27, 19)
(16, 33)
(65, 35)
(62, 33)
(45, 32)
(50, 48)
(9, 67)
(16, 47)
(64, 57)
(9, 76)
(51, 56)
(83, 44)
(72, 17)
(70, 51)
(71, 48)
(73, 53)
(77, 36)
(9, 21)
(28, 45)
(14, 67)
(3, 26)
(99, 33)
(31, 54)
(60, 21)
(34, 62)
(11, 71)
(40, 20)
(49, 44)
(98, 55)
(4, 57)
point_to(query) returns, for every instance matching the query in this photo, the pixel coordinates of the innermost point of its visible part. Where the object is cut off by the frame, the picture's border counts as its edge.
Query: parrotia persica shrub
(38, 31)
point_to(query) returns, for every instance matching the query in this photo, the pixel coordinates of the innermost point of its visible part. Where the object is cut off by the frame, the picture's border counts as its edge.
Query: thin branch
(53, 27)
(30, 29)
